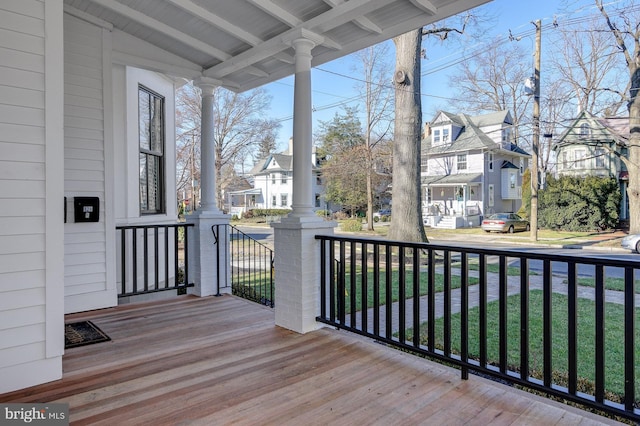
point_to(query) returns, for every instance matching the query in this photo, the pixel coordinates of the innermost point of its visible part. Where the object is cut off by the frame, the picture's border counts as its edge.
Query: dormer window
(436, 136)
(445, 135)
(585, 130)
(506, 135)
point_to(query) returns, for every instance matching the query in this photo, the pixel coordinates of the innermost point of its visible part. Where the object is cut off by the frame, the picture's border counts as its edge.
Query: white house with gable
(272, 179)
(470, 168)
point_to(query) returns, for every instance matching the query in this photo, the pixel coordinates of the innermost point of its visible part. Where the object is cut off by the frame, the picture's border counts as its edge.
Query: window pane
(153, 179)
(143, 117)
(157, 133)
(144, 205)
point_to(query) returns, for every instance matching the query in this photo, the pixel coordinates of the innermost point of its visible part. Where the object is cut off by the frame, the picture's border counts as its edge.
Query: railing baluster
(123, 260)
(524, 318)
(447, 302)
(156, 258)
(502, 301)
(389, 290)
(600, 341)
(352, 283)
(431, 293)
(572, 324)
(166, 257)
(464, 314)
(134, 265)
(401, 295)
(547, 328)
(629, 339)
(342, 302)
(416, 298)
(364, 289)
(376, 289)
(482, 304)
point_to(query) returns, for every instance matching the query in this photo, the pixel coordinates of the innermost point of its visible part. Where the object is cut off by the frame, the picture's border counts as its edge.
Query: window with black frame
(151, 136)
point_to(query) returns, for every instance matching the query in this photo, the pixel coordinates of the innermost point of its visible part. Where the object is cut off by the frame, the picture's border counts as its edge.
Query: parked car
(631, 242)
(381, 214)
(505, 222)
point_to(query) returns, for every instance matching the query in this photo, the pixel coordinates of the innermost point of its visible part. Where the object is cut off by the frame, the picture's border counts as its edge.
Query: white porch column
(302, 130)
(211, 274)
(297, 253)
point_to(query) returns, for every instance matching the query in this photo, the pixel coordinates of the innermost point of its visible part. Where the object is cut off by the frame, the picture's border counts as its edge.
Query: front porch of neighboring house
(454, 201)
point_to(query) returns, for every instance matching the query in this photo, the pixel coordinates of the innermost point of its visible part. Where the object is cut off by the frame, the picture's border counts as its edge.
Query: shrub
(323, 213)
(579, 204)
(351, 225)
(269, 212)
(340, 215)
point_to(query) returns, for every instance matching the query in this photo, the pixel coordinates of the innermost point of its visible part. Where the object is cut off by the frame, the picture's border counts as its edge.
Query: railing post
(209, 276)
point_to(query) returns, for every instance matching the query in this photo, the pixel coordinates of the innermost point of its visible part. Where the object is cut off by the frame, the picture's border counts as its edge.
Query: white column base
(203, 252)
(297, 271)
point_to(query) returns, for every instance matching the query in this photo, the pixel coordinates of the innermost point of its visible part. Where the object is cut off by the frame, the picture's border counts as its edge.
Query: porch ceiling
(246, 43)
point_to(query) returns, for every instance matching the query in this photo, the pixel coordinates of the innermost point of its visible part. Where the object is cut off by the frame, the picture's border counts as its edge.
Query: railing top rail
(524, 252)
(250, 237)
(155, 225)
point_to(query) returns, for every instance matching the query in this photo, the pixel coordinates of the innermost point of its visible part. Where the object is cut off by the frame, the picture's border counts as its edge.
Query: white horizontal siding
(22, 186)
(30, 304)
(85, 255)
(18, 317)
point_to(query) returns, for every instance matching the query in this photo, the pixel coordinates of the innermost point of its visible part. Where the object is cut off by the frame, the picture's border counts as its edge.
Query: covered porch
(222, 360)
(453, 201)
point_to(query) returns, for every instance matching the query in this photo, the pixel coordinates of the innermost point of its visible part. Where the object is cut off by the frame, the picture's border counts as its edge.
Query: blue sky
(332, 87)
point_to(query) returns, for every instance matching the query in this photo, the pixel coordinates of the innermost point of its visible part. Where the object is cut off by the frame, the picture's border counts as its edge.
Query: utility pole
(536, 135)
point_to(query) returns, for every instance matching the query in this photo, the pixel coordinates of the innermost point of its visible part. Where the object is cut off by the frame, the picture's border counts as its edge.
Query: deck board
(221, 360)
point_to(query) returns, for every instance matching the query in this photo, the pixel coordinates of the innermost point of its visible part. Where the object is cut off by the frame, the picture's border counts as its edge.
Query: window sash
(462, 161)
(151, 151)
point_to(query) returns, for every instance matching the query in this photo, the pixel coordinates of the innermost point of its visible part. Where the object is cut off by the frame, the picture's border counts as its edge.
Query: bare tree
(378, 102)
(239, 126)
(584, 58)
(493, 80)
(406, 221)
(623, 23)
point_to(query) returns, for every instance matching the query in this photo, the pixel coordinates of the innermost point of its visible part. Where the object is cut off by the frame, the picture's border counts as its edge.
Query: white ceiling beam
(163, 28)
(363, 22)
(284, 57)
(217, 21)
(331, 19)
(277, 12)
(426, 6)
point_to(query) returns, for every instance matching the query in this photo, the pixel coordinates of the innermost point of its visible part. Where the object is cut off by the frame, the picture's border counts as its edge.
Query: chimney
(290, 148)
(427, 130)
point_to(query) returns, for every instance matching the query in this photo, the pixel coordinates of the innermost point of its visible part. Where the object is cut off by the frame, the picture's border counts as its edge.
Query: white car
(631, 242)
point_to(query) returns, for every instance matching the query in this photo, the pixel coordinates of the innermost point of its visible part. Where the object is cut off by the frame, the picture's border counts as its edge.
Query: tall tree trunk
(406, 220)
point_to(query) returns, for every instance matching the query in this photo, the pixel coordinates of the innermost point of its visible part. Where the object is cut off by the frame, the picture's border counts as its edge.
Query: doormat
(83, 333)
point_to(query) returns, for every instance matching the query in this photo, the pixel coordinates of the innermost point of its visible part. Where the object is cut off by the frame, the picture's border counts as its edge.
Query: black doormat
(83, 333)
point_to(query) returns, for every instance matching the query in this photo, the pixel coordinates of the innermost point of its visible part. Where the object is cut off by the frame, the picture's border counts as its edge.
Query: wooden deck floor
(223, 361)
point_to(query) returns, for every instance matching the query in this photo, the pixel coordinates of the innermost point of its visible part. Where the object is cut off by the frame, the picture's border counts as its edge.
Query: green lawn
(395, 286)
(616, 284)
(614, 343)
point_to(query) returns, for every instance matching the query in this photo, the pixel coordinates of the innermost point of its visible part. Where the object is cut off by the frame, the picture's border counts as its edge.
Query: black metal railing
(250, 262)
(152, 258)
(563, 325)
